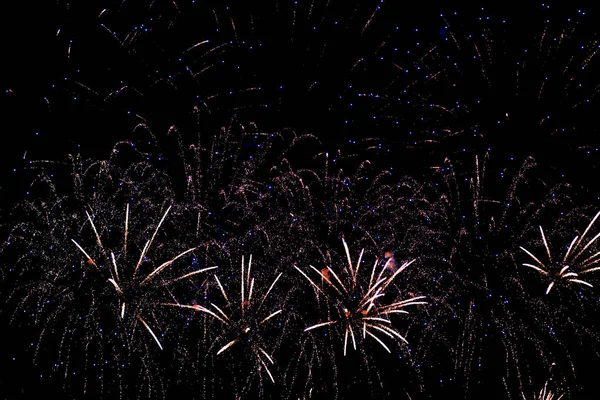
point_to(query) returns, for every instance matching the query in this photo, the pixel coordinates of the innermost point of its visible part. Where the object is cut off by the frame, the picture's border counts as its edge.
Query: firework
(92, 279)
(575, 259)
(246, 331)
(108, 265)
(495, 76)
(356, 305)
(545, 394)
(130, 285)
(478, 300)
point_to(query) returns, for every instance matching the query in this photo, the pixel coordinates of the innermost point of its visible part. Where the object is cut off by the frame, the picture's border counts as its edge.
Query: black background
(34, 58)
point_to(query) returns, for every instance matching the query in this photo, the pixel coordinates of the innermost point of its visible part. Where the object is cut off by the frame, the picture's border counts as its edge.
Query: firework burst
(109, 288)
(136, 292)
(91, 280)
(356, 305)
(476, 317)
(545, 394)
(575, 259)
(246, 332)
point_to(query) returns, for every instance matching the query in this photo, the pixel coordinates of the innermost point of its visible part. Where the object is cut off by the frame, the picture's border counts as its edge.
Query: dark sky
(53, 105)
(36, 58)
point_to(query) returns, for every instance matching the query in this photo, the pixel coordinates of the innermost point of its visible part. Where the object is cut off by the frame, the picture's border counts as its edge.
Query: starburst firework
(357, 306)
(134, 290)
(564, 270)
(243, 323)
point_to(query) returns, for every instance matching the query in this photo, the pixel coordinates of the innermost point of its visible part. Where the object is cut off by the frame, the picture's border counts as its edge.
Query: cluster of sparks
(546, 394)
(244, 193)
(241, 321)
(116, 279)
(564, 270)
(364, 316)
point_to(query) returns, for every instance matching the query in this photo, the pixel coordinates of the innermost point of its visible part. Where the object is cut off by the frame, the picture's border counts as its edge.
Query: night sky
(171, 136)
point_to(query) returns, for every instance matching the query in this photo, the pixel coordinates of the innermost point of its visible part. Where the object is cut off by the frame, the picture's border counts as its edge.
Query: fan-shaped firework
(355, 304)
(99, 294)
(134, 291)
(564, 270)
(545, 394)
(246, 326)
(237, 341)
(354, 311)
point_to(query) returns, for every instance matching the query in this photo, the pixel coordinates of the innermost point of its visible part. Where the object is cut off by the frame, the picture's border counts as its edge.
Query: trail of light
(115, 285)
(242, 276)
(569, 249)
(348, 256)
(345, 341)
(405, 303)
(221, 311)
(569, 274)
(270, 316)
(402, 268)
(311, 282)
(365, 299)
(581, 282)
(395, 312)
(352, 336)
(586, 246)
(563, 270)
(536, 268)
(531, 255)
(383, 269)
(394, 332)
(197, 308)
(372, 299)
(337, 279)
(126, 230)
(378, 319)
(364, 330)
(251, 288)
(112, 255)
(546, 245)
(197, 44)
(326, 279)
(248, 273)
(381, 330)
(147, 247)
(228, 345)
(587, 229)
(379, 340)
(266, 354)
(591, 260)
(150, 330)
(267, 368)
(591, 269)
(141, 257)
(373, 271)
(85, 254)
(166, 264)
(269, 291)
(95, 231)
(357, 267)
(194, 273)
(222, 290)
(310, 328)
